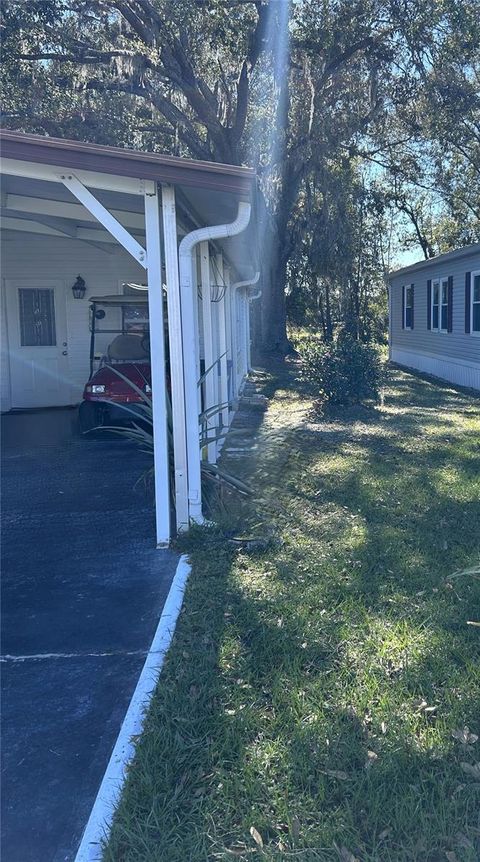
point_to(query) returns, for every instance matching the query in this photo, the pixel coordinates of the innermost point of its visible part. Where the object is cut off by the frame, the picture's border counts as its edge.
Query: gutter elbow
(219, 231)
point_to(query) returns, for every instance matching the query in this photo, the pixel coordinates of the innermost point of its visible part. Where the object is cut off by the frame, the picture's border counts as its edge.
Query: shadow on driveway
(83, 588)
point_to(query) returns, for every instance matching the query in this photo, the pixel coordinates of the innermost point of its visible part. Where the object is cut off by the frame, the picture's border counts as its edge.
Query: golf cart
(119, 340)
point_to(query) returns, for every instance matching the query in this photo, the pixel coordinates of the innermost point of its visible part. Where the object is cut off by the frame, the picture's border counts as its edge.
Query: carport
(83, 581)
(181, 223)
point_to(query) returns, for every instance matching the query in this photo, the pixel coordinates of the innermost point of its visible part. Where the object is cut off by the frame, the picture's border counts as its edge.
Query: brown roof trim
(126, 163)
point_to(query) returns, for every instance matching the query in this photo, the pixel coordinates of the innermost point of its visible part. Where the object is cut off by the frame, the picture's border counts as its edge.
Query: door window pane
(37, 317)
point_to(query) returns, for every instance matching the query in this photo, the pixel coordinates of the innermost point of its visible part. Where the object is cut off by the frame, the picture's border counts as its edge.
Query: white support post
(105, 218)
(240, 337)
(245, 333)
(209, 385)
(176, 356)
(233, 324)
(248, 334)
(157, 355)
(240, 329)
(222, 338)
(196, 280)
(229, 337)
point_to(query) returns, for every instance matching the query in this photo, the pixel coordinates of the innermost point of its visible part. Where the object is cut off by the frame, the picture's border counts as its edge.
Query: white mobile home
(435, 316)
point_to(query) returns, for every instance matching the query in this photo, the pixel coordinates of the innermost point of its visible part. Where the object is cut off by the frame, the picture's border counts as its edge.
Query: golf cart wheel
(89, 416)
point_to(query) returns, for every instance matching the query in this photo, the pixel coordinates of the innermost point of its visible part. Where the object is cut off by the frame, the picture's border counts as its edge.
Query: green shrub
(343, 371)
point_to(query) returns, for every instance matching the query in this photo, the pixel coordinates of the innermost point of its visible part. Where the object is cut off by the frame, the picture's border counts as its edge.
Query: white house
(435, 316)
(114, 216)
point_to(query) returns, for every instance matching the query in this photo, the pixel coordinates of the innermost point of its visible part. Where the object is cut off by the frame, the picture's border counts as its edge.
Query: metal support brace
(105, 218)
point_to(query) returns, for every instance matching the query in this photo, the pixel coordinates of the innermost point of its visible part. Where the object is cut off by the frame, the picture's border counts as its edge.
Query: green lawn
(312, 691)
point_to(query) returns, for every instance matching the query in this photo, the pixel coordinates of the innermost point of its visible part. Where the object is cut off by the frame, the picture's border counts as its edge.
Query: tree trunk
(321, 312)
(274, 317)
(328, 314)
(276, 248)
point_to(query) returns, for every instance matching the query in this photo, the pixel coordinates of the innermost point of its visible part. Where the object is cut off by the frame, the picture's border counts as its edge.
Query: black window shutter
(450, 304)
(403, 308)
(429, 303)
(413, 304)
(467, 302)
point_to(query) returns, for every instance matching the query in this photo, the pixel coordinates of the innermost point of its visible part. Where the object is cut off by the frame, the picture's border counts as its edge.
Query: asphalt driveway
(83, 588)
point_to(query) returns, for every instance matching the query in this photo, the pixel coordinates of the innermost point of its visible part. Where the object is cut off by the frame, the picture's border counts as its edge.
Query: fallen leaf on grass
(464, 736)
(237, 850)
(345, 855)
(384, 834)
(451, 856)
(295, 828)
(463, 841)
(372, 756)
(335, 773)
(422, 706)
(472, 769)
(256, 836)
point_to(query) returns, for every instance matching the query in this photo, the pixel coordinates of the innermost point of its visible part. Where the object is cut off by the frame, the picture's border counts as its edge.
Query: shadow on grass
(311, 692)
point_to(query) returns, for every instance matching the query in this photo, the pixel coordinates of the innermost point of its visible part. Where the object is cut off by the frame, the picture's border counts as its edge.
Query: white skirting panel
(453, 370)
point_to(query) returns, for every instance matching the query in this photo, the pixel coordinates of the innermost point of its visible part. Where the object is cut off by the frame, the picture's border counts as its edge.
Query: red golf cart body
(128, 352)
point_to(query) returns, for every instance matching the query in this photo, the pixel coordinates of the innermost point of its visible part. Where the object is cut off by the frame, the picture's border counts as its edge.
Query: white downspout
(189, 337)
(237, 285)
(250, 298)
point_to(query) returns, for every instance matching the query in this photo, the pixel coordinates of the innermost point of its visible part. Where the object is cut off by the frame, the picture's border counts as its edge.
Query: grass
(307, 706)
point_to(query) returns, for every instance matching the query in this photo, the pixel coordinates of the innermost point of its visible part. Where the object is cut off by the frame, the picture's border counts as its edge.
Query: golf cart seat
(127, 348)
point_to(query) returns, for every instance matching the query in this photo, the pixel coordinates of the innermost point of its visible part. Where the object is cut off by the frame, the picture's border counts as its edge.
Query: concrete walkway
(83, 589)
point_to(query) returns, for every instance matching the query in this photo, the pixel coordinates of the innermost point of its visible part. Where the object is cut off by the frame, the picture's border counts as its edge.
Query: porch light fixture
(79, 288)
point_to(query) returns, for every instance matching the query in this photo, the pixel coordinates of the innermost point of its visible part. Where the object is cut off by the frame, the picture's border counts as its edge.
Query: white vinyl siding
(64, 259)
(430, 349)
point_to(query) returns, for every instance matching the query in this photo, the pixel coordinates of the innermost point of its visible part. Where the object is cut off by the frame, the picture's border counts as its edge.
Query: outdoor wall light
(79, 288)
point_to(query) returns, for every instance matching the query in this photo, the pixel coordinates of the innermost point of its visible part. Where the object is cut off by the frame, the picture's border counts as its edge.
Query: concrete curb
(100, 821)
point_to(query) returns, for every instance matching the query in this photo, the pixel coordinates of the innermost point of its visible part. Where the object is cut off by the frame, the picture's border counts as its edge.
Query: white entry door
(37, 341)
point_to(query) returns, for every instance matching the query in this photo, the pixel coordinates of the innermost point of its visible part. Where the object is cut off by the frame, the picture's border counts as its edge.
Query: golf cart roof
(116, 299)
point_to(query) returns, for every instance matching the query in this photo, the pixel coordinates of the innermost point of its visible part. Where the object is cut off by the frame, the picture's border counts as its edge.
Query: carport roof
(128, 163)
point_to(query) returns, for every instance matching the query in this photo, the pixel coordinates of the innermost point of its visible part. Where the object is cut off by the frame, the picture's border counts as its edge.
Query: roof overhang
(127, 163)
(34, 198)
(438, 260)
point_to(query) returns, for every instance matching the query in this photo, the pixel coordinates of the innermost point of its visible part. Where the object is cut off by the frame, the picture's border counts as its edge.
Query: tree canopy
(362, 118)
